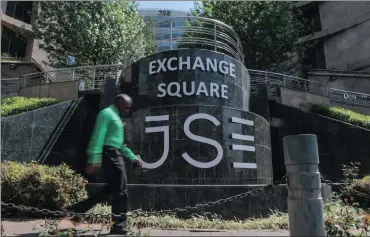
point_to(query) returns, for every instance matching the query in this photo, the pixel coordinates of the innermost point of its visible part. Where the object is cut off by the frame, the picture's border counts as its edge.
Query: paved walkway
(17, 227)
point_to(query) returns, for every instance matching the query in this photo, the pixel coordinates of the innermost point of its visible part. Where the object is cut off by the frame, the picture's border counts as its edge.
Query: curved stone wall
(191, 122)
(190, 77)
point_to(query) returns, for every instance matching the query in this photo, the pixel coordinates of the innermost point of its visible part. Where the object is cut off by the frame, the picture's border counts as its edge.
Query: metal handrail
(203, 32)
(96, 75)
(23, 59)
(9, 84)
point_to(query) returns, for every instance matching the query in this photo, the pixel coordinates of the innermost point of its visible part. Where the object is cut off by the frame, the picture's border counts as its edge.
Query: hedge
(344, 115)
(16, 105)
(32, 184)
(359, 191)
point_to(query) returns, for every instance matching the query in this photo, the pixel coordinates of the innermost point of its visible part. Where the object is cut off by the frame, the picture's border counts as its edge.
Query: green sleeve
(95, 148)
(125, 150)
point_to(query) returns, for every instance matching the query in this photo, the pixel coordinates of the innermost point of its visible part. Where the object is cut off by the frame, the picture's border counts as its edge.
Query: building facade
(19, 50)
(341, 32)
(167, 32)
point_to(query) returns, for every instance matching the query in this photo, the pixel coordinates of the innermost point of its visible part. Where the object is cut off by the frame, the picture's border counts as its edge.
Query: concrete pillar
(305, 204)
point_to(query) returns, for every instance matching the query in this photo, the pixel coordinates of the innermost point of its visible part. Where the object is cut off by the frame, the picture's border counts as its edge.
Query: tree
(92, 32)
(268, 30)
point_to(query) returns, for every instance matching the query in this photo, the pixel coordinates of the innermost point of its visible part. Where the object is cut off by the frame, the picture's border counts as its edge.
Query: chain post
(305, 203)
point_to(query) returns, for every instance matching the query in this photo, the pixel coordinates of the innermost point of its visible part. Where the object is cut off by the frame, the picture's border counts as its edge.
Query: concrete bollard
(305, 204)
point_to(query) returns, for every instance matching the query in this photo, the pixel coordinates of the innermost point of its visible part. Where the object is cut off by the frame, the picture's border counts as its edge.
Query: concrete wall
(39, 55)
(345, 80)
(338, 142)
(24, 135)
(3, 6)
(59, 90)
(21, 69)
(5, 95)
(338, 13)
(294, 98)
(348, 49)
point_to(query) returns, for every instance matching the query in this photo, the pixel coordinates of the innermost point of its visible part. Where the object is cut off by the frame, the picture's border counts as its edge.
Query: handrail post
(284, 81)
(305, 86)
(171, 34)
(305, 204)
(215, 35)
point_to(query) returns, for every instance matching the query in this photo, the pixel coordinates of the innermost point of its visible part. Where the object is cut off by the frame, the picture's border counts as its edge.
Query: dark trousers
(116, 179)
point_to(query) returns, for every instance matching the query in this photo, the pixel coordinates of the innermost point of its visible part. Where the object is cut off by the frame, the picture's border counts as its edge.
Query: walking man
(106, 148)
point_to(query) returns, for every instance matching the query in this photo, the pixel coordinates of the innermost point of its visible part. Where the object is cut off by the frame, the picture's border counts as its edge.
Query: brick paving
(18, 227)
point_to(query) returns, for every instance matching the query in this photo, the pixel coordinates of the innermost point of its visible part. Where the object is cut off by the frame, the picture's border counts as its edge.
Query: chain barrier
(138, 213)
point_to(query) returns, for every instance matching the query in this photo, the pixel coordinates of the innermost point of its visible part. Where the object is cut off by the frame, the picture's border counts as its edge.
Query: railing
(198, 32)
(9, 84)
(92, 77)
(27, 60)
(20, 59)
(276, 80)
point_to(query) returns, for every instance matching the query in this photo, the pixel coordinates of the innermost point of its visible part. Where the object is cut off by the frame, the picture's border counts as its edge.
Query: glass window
(13, 44)
(21, 10)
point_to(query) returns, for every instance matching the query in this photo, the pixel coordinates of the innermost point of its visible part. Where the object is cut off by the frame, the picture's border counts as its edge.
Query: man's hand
(137, 163)
(92, 168)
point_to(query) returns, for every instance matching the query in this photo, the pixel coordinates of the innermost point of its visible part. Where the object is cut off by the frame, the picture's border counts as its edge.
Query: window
(20, 10)
(312, 16)
(315, 57)
(13, 44)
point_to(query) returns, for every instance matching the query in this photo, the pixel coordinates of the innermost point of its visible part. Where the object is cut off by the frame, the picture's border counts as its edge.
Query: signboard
(164, 13)
(350, 98)
(191, 119)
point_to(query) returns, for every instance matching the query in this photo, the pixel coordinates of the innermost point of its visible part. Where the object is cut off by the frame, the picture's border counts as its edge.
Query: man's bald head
(126, 98)
(123, 102)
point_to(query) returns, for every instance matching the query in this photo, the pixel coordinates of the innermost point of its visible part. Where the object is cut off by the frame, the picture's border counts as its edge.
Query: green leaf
(94, 32)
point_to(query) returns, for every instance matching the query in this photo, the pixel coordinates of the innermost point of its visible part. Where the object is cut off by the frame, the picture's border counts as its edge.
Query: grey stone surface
(151, 146)
(168, 196)
(137, 82)
(339, 143)
(24, 135)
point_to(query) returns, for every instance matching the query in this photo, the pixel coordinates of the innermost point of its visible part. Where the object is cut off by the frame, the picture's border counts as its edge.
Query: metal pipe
(305, 203)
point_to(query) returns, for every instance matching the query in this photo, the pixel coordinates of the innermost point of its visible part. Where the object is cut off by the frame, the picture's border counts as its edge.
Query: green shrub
(16, 105)
(359, 192)
(51, 187)
(344, 115)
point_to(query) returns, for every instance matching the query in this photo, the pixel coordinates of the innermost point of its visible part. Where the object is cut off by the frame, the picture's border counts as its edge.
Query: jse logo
(189, 134)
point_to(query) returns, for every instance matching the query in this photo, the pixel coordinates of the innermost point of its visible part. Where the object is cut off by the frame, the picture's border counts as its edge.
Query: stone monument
(191, 123)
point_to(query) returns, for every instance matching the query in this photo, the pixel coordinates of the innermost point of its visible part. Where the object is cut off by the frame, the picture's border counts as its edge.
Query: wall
(339, 143)
(347, 49)
(334, 14)
(24, 135)
(350, 49)
(255, 205)
(295, 98)
(356, 82)
(9, 94)
(3, 6)
(59, 90)
(21, 69)
(39, 55)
